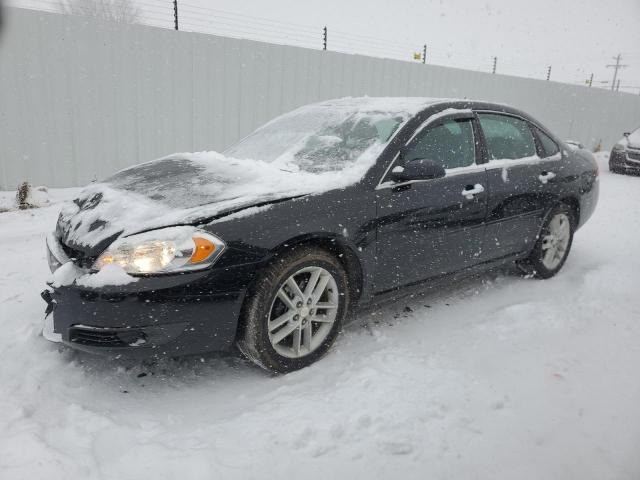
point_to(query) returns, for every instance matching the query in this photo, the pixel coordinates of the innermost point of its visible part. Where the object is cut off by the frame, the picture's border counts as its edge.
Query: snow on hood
(633, 140)
(184, 188)
(311, 150)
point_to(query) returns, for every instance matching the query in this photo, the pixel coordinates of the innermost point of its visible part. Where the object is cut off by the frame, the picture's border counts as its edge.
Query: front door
(432, 227)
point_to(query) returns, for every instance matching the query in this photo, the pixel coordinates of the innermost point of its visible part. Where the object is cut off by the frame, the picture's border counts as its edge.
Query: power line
(617, 66)
(237, 25)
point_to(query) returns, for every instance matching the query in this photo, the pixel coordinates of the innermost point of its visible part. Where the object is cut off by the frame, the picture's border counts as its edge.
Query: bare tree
(124, 11)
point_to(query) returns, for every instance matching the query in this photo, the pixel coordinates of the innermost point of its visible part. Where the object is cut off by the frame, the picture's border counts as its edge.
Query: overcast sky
(576, 38)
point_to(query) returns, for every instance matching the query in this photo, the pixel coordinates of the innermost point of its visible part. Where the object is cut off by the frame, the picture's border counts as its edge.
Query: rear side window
(507, 137)
(549, 147)
(450, 144)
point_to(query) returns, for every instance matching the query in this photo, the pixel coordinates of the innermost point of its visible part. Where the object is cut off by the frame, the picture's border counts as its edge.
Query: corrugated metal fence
(80, 99)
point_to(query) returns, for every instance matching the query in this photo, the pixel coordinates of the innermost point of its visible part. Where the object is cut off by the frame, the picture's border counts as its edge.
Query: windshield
(318, 138)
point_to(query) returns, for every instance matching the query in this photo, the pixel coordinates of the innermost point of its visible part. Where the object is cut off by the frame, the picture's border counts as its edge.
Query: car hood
(182, 189)
(632, 140)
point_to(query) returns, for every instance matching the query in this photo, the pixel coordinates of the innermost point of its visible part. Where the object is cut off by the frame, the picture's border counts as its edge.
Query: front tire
(553, 245)
(295, 311)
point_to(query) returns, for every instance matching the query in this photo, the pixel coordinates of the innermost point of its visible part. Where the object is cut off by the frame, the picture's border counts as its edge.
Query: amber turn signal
(203, 249)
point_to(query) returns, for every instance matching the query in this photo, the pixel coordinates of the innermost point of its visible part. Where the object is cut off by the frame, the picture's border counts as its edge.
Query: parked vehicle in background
(349, 201)
(625, 154)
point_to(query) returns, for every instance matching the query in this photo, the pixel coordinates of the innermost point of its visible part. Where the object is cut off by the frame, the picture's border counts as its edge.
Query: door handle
(544, 177)
(471, 190)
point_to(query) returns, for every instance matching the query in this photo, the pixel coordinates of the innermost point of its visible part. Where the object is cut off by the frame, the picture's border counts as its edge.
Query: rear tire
(553, 245)
(295, 311)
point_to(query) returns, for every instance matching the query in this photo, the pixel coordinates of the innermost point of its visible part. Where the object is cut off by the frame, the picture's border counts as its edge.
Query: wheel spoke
(322, 319)
(319, 290)
(307, 336)
(565, 232)
(284, 332)
(549, 256)
(297, 334)
(281, 320)
(313, 281)
(282, 295)
(291, 283)
(325, 305)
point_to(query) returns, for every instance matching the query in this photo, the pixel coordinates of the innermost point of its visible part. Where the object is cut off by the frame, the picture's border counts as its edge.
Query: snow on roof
(410, 105)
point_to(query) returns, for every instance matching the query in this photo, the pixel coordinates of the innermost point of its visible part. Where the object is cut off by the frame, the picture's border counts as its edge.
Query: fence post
(324, 38)
(175, 14)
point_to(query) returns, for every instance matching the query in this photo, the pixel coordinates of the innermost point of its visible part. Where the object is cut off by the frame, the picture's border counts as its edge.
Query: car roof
(409, 105)
(415, 105)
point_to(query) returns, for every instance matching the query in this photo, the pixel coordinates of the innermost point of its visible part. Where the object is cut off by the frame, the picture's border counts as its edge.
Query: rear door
(520, 181)
(428, 228)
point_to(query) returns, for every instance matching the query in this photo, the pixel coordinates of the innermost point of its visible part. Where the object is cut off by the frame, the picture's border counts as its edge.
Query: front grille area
(633, 154)
(102, 337)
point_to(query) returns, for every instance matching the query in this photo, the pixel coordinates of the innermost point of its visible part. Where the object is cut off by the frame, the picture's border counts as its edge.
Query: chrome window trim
(561, 151)
(475, 167)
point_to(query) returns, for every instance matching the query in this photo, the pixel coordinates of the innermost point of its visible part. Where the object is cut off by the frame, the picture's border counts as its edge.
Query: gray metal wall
(80, 99)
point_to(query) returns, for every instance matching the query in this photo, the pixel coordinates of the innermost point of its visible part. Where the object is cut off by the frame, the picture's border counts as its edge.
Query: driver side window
(450, 144)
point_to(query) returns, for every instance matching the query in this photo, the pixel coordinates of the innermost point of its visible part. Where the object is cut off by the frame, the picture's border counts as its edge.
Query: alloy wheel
(556, 242)
(303, 312)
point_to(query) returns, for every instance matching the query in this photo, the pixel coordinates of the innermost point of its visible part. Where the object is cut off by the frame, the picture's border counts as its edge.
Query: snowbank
(39, 196)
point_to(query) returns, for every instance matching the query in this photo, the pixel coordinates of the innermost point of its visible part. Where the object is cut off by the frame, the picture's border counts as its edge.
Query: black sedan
(335, 205)
(625, 155)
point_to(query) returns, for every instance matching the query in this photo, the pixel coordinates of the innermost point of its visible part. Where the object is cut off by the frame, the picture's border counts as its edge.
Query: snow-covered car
(625, 154)
(335, 205)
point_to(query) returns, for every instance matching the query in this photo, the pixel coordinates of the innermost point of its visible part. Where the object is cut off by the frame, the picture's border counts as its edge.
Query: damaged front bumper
(164, 315)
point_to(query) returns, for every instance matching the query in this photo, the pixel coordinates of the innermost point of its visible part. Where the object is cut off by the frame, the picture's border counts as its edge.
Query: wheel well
(338, 248)
(573, 203)
(345, 255)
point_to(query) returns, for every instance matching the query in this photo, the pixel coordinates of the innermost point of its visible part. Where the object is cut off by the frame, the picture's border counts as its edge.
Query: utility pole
(617, 66)
(175, 14)
(590, 82)
(424, 53)
(618, 86)
(549, 73)
(495, 64)
(324, 38)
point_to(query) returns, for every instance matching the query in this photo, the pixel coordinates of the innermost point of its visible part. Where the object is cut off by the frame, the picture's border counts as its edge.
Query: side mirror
(417, 169)
(626, 134)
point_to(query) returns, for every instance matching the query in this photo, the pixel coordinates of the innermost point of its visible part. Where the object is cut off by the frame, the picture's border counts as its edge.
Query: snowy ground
(498, 378)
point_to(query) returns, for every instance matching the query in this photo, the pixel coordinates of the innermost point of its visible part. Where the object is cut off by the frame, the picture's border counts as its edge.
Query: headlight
(174, 249)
